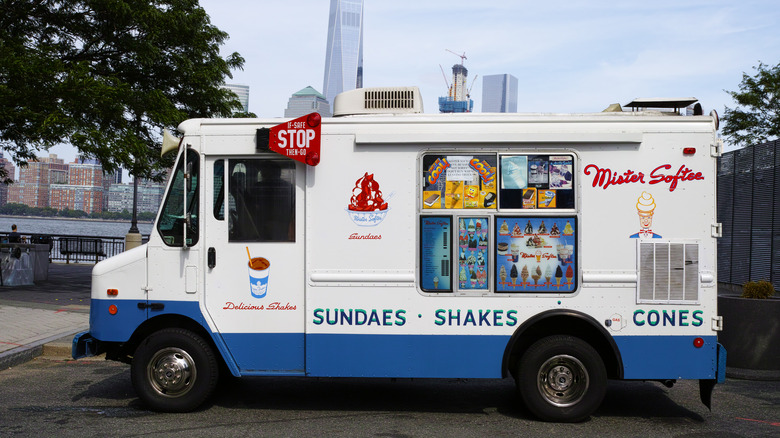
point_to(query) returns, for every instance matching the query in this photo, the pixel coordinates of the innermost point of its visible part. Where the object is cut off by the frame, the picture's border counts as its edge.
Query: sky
(568, 56)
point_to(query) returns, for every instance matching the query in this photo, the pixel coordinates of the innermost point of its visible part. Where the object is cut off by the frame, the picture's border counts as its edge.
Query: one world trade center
(344, 56)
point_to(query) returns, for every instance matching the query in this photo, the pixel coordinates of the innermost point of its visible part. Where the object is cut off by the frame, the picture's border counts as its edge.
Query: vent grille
(389, 99)
(668, 273)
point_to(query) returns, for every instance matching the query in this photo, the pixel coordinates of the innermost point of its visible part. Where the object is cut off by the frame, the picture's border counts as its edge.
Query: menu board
(536, 254)
(435, 253)
(459, 182)
(473, 252)
(536, 181)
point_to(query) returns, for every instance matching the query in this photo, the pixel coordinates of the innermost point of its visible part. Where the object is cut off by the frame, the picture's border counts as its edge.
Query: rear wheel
(174, 370)
(561, 378)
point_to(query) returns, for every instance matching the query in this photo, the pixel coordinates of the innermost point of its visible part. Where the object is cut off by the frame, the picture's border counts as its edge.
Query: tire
(562, 379)
(174, 370)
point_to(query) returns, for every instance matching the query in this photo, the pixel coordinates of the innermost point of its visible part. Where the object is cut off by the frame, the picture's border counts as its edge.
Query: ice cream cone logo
(645, 206)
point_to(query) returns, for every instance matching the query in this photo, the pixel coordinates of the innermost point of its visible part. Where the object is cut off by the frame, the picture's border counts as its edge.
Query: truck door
(173, 251)
(254, 279)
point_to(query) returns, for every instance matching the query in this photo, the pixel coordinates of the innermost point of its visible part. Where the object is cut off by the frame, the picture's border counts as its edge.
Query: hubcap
(563, 380)
(171, 372)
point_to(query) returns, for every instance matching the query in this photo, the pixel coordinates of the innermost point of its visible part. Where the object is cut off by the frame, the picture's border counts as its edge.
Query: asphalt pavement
(42, 318)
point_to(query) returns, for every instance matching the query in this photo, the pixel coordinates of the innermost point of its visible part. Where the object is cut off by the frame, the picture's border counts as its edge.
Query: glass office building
(499, 94)
(242, 91)
(344, 55)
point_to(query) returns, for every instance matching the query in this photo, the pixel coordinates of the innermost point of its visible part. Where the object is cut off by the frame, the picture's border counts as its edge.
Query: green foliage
(758, 289)
(107, 76)
(756, 119)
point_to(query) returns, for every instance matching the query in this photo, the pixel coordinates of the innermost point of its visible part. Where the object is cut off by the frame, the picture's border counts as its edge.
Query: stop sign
(298, 139)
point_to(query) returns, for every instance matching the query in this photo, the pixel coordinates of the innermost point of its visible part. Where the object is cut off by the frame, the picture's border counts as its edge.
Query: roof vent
(385, 100)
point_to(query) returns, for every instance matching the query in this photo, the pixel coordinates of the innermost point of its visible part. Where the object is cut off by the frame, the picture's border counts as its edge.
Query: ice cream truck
(560, 250)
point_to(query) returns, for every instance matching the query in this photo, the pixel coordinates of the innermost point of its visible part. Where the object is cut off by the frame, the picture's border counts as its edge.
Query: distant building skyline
(306, 101)
(344, 52)
(242, 91)
(499, 93)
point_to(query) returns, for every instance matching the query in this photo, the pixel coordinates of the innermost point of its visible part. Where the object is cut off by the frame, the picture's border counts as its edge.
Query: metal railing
(76, 249)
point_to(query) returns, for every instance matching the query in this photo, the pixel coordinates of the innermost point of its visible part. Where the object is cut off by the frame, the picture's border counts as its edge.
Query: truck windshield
(173, 217)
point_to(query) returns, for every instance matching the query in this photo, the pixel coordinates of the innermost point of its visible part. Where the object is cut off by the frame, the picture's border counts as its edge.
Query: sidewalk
(46, 314)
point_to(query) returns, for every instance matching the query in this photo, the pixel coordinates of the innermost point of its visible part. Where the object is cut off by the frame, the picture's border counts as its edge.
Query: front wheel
(562, 378)
(174, 370)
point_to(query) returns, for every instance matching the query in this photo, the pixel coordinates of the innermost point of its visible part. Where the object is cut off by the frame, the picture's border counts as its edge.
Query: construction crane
(462, 57)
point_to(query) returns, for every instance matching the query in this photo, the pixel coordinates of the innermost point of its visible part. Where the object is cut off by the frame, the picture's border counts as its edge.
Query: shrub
(758, 289)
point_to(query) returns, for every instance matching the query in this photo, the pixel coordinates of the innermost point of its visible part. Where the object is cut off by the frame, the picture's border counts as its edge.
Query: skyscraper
(242, 91)
(344, 55)
(499, 94)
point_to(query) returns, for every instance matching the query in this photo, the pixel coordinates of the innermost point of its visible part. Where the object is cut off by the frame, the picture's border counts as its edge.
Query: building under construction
(458, 97)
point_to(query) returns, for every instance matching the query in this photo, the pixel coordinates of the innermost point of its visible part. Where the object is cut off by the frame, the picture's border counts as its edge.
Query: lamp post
(133, 236)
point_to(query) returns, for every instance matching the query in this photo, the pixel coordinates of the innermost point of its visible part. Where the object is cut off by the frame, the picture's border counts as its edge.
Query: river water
(76, 227)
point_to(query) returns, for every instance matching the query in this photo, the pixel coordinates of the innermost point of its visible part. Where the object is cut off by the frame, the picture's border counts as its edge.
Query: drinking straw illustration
(247, 254)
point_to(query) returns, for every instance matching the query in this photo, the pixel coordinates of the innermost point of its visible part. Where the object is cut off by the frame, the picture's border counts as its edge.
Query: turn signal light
(112, 292)
(112, 309)
(689, 151)
(698, 342)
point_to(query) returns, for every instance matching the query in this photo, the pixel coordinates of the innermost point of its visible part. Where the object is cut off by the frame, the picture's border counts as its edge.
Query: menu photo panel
(459, 181)
(536, 254)
(436, 253)
(473, 256)
(536, 182)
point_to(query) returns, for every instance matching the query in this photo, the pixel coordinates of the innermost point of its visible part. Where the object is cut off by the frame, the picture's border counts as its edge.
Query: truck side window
(219, 190)
(261, 200)
(173, 218)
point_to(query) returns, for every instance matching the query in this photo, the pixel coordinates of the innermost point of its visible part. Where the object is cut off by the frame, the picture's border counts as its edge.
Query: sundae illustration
(504, 229)
(542, 228)
(645, 206)
(554, 231)
(367, 208)
(568, 230)
(528, 228)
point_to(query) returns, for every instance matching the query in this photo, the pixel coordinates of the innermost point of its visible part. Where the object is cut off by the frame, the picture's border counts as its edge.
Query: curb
(26, 353)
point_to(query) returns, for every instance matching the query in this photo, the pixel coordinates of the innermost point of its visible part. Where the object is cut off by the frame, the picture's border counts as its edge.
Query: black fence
(77, 249)
(749, 209)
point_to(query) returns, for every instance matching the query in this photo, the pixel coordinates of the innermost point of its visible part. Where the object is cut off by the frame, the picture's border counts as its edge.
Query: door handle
(212, 258)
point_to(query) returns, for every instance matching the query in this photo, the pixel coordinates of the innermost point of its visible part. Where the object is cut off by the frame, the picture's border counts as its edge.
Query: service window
(508, 236)
(459, 182)
(536, 182)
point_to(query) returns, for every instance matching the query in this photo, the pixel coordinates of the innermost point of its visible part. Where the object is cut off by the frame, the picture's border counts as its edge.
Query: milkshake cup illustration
(259, 269)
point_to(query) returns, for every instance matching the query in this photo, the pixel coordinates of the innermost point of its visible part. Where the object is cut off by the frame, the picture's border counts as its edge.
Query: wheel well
(125, 351)
(567, 322)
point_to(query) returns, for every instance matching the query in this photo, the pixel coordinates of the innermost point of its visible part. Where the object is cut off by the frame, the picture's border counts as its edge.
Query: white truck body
(435, 246)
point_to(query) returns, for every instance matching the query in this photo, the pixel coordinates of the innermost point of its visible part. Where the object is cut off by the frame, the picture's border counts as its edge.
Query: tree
(756, 119)
(107, 76)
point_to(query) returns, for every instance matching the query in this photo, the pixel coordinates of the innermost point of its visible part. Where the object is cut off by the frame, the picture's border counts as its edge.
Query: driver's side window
(173, 218)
